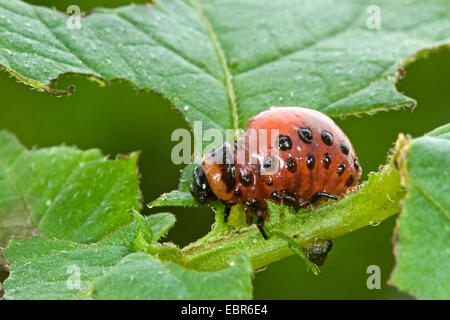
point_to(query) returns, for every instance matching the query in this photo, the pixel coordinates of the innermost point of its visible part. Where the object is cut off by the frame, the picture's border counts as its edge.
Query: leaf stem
(374, 201)
(224, 64)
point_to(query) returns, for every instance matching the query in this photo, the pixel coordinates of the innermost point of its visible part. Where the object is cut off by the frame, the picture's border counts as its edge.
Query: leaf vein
(231, 94)
(430, 198)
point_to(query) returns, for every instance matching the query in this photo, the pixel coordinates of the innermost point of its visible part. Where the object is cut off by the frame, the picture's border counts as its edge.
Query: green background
(119, 119)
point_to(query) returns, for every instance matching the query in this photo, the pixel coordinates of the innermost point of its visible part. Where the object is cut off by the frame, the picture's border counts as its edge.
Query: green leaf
(63, 192)
(126, 235)
(186, 178)
(181, 197)
(148, 229)
(43, 269)
(222, 62)
(160, 223)
(423, 228)
(149, 278)
(174, 198)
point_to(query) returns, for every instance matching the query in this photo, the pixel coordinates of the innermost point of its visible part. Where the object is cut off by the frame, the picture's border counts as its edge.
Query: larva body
(310, 157)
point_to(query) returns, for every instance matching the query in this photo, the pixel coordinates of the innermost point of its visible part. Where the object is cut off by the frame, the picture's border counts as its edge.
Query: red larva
(316, 160)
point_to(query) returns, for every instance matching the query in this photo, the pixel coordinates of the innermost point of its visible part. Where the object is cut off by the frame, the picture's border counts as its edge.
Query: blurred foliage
(118, 119)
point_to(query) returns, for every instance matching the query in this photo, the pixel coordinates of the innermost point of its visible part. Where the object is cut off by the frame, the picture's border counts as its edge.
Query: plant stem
(374, 201)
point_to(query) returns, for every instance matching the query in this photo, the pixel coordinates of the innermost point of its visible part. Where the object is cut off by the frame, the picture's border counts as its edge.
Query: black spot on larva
(344, 147)
(356, 164)
(310, 161)
(305, 134)
(246, 179)
(228, 176)
(326, 160)
(277, 196)
(224, 156)
(291, 165)
(237, 193)
(327, 137)
(284, 143)
(349, 181)
(341, 168)
(269, 181)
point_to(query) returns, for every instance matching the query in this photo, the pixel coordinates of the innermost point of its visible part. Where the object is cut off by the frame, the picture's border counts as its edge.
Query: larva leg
(226, 213)
(260, 224)
(316, 196)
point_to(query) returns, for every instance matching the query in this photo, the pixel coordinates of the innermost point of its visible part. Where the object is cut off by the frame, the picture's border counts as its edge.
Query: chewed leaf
(423, 228)
(55, 269)
(197, 54)
(64, 192)
(174, 198)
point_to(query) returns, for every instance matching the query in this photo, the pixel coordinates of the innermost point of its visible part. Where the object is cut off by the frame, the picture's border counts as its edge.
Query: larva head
(200, 188)
(216, 177)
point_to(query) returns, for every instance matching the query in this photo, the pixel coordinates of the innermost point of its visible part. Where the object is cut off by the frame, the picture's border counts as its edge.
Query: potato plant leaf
(198, 54)
(58, 269)
(423, 228)
(221, 67)
(174, 198)
(63, 192)
(148, 229)
(186, 178)
(149, 278)
(160, 223)
(82, 196)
